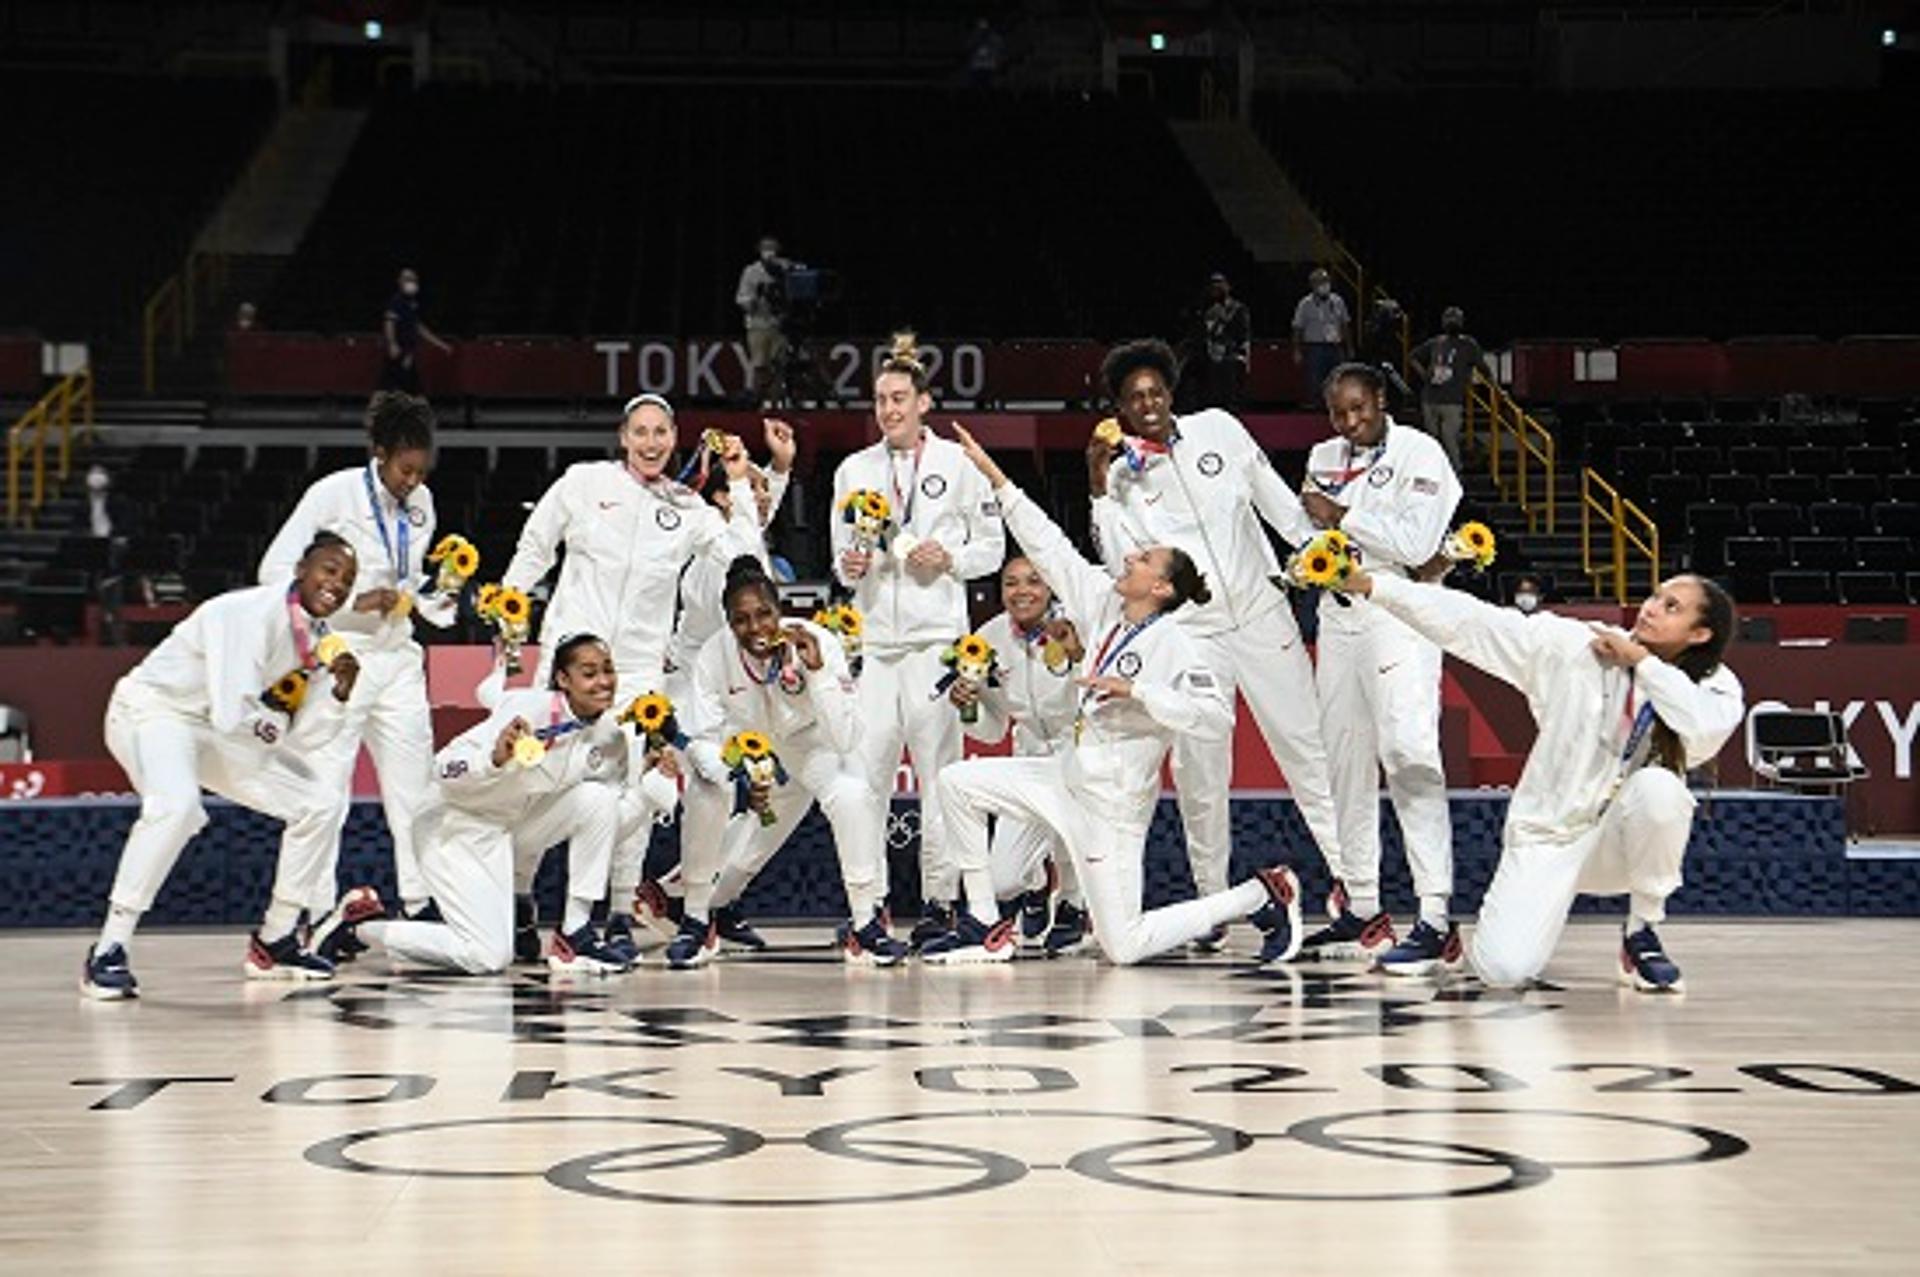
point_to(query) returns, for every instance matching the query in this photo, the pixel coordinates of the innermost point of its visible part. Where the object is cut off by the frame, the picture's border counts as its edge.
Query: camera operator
(762, 298)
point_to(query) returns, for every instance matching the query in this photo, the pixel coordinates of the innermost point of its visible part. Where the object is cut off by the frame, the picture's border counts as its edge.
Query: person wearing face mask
(233, 701)
(913, 593)
(701, 616)
(545, 766)
(1445, 365)
(759, 296)
(1039, 652)
(1201, 484)
(1390, 490)
(384, 510)
(1322, 332)
(1602, 806)
(1527, 595)
(787, 680)
(402, 329)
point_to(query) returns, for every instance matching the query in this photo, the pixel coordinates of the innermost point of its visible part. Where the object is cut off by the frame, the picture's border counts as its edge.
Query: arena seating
(632, 210)
(153, 156)
(1475, 196)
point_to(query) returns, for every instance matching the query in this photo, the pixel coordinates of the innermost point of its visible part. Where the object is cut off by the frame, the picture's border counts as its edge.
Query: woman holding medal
(788, 681)
(912, 589)
(1602, 806)
(229, 702)
(1038, 651)
(546, 766)
(385, 511)
(1143, 685)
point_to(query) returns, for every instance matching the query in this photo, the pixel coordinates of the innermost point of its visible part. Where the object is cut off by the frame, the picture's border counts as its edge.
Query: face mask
(1526, 602)
(1452, 327)
(767, 254)
(1322, 289)
(410, 289)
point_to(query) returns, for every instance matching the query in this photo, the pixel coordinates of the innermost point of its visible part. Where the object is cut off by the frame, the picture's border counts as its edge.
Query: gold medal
(904, 544)
(529, 750)
(1108, 432)
(402, 606)
(328, 650)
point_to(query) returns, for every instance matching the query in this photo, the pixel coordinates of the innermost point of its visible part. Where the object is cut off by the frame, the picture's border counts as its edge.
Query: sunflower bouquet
(1470, 543)
(971, 660)
(509, 611)
(289, 691)
(751, 761)
(651, 716)
(458, 560)
(871, 515)
(843, 620)
(1321, 563)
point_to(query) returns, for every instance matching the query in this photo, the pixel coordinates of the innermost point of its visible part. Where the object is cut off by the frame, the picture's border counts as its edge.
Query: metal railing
(173, 311)
(1529, 476)
(1601, 499)
(27, 442)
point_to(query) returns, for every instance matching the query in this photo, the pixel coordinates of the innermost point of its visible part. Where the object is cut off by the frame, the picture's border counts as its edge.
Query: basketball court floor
(788, 1114)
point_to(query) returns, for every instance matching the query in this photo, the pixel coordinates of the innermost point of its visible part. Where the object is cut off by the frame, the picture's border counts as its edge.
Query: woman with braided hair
(1602, 806)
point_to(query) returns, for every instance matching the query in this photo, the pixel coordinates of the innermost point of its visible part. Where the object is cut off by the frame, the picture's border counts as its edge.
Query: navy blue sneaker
(526, 930)
(583, 953)
(1426, 950)
(284, 959)
(871, 944)
(428, 912)
(1211, 943)
(617, 935)
(936, 920)
(333, 938)
(106, 977)
(693, 945)
(1351, 938)
(1645, 966)
(1280, 916)
(972, 941)
(1070, 930)
(1036, 915)
(734, 930)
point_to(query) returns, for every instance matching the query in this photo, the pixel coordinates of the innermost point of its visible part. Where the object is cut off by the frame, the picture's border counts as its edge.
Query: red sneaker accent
(999, 936)
(1450, 951)
(1379, 930)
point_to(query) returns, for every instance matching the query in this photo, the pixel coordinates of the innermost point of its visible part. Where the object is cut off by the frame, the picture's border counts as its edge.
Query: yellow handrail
(1532, 442)
(1349, 271)
(1616, 511)
(174, 308)
(58, 406)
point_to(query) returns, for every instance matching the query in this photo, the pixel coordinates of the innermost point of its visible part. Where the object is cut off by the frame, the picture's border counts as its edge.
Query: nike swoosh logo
(1389, 665)
(608, 505)
(1153, 498)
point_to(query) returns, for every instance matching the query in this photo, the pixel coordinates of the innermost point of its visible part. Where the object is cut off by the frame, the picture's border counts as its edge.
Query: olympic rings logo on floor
(1163, 1157)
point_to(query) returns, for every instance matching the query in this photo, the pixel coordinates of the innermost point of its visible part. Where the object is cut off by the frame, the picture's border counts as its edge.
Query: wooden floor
(790, 1115)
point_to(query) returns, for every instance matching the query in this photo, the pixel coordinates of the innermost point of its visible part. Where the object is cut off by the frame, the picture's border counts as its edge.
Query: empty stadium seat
(1837, 519)
(1776, 519)
(1870, 588)
(1897, 519)
(1799, 586)
(1828, 553)
(1887, 554)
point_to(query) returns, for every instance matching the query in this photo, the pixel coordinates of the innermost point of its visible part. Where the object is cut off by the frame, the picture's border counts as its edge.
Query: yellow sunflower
(465, 559)
(289, 692)
(753, 745)
(1319, 567)
(488, 597)
(1472, 543)
(1335, 540)
(512, 606)
(973, 649)
(650, 712)
(447, 545)
(850, 622)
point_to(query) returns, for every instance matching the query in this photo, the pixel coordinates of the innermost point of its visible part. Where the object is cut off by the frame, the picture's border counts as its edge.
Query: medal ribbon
(399, 557)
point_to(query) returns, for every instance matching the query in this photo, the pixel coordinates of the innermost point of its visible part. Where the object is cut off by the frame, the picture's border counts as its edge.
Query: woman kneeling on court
(1602, 806)
(545, 767)
(1142, 686)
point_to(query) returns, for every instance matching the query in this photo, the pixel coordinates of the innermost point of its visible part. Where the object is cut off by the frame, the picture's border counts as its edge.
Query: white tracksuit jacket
(389, 710)
(626, 544)
(1379, 682)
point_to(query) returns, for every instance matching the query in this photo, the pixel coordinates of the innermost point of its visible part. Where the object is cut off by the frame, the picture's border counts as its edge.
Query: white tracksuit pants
(1020, 854)
(389, 711)
(1267, 661)
(859, 832)
(1636, 848)
(170, 758)
(1379, 687)
(468, 862)
(1108, 857)
(898, 704)
(704, 809)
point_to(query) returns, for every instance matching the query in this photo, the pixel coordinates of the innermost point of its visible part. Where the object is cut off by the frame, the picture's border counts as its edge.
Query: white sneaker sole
(100, 993)
(1632, 980)
(701, 958)
(973, 955)
(286, 975)
(1343, 951)
(584, 966)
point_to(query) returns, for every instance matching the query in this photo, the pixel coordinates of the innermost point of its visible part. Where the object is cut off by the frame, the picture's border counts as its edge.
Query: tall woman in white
(1602, 806)
(385, 512)
(914, 597)
(231, 700)
(789, 682)
(1143, 685)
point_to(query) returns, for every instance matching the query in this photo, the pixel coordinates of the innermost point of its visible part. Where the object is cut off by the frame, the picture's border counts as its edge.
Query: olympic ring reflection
(1178, 1142)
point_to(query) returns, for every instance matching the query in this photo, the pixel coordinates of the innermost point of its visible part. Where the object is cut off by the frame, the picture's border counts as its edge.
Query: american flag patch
(1429, 486)
(1200, 678)
(989, 509)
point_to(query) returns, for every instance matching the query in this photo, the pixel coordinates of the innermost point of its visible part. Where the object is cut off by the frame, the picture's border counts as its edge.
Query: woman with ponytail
(1602, 806)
